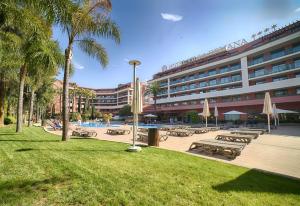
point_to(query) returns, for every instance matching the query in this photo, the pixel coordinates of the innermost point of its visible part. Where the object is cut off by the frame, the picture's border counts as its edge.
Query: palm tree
(82, 22)
(153, 90)
(50, 58)
(274, 27)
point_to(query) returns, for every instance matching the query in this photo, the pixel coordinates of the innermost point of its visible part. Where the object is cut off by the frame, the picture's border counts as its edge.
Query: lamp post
(134, 148)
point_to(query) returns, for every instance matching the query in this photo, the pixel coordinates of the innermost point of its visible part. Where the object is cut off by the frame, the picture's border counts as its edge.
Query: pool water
(97, 125)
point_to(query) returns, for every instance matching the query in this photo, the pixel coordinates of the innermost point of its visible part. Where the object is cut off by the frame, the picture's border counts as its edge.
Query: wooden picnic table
(245, 132)
(180, 133)
(212, 146)
(235, 137)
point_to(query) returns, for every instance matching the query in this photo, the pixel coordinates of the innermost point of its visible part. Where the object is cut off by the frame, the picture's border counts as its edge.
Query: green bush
(193, 117)
(9, 120)
(75, 116)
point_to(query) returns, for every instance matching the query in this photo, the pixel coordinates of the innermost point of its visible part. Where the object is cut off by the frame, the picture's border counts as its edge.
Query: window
(224, 69)
(279, 68)
(212, 72)
(201, 75)
(235, 66)
(193, 102)
(212, 82)
(280, 93)
(236, 78)
(297, 63)
(296, 48)
(212, 90)
(202, 84)
(275, 79)
(298, 91)
(259, 72)
(278, 53)
(193, 86)
(212, 100)
(259, 95)
(224, 80)
(257, 60)
(236, 98)
(227, 99)
(297, 75)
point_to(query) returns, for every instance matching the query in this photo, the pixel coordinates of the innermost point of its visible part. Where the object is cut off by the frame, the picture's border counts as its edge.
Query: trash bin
(153, 137)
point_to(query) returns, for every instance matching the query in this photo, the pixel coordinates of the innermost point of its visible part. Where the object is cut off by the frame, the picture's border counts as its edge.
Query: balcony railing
(285, 53)
(281, 68)
(202, 75)
(196, 86)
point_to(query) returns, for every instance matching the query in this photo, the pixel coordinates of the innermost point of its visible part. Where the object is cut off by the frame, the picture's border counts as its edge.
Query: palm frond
(95, 50)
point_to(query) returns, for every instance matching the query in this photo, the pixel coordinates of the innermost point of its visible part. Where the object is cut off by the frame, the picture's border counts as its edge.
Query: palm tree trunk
(8, 102)
(74, 105)
(155, 104)
(2, 97)
(20, 99)
(31, 108)
(65, 111)
(79, 104)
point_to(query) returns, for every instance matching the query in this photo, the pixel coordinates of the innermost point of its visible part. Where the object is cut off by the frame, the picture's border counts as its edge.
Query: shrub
(193, 117)
(75, 116)
(9, 120)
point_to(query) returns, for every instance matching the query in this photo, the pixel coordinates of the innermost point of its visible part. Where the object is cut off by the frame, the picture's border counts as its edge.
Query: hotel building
(111, 100)
(235, 78)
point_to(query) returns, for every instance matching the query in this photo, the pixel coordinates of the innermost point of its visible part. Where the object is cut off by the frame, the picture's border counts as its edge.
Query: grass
(36, 168)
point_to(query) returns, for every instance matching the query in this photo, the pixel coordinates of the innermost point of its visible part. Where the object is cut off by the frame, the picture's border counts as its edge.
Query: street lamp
(134, 148)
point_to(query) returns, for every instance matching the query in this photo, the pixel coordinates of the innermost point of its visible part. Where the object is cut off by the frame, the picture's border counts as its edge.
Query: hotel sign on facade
(227, 47)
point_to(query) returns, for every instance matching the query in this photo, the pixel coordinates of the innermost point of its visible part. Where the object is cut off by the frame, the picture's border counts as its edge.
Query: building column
(168, 87)
(244, 69)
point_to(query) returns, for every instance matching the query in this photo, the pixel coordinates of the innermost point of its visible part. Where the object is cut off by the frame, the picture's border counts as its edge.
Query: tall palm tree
(153, 89)
(82, 22)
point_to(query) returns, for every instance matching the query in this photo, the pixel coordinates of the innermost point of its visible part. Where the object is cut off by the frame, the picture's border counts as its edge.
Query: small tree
(193, 117)
(125, 111)
(107, 117)
(154, 90)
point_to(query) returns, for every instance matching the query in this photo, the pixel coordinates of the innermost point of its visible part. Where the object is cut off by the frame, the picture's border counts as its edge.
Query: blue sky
(162, 32)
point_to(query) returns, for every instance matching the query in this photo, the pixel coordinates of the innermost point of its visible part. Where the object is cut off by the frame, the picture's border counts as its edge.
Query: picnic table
(180, 133)
(212, 146)
(255, 134)
(118, 131)
(235, 137)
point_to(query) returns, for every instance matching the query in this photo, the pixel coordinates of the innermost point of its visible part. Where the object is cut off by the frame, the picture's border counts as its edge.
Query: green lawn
(37, 169)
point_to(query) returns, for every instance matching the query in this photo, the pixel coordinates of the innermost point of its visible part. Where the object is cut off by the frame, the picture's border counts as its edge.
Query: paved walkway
(278, 152)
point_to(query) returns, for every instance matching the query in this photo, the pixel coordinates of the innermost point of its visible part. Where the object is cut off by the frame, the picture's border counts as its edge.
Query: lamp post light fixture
(134, 148)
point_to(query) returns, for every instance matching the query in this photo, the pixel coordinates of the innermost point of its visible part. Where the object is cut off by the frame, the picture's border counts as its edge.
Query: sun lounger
(166, 128)
(262, 131)
(180, 133)
(143, 130)
(255, 134)
(117, 131)
(213, 128)
(84, 132)
(235, 137)
(211, 147)
(144, 137)
(198, 130)
(53, 125)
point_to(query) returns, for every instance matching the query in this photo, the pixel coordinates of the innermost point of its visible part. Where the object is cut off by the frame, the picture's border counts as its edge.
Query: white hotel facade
(236, 79)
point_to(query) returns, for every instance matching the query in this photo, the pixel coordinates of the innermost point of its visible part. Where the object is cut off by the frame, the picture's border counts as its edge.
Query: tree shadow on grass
(72, 150)
(258, 181)
(26, 140)
(13, 192)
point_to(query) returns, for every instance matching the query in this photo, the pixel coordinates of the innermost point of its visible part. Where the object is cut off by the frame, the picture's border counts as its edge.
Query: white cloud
(297, 10)
(77, 65)
(171, 17)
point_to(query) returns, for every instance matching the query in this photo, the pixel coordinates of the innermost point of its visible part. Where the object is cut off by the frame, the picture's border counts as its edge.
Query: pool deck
(278, 152)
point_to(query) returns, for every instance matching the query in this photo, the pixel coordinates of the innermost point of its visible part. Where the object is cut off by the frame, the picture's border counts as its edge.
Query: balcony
(275, 69)
(204, 75)
(198, 86)
(284, 53)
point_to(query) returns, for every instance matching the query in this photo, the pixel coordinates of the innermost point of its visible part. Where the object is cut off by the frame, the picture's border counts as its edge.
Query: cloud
(77, 65)
(297, 10)
(171, 17)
